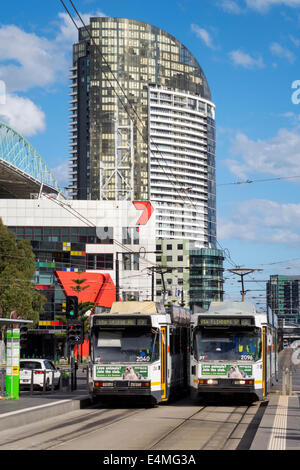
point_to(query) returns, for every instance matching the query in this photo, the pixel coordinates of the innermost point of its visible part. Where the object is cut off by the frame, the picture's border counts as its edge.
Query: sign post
(12, 363)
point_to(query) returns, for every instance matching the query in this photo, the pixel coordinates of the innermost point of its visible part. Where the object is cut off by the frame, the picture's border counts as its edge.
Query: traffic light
(23, 334)
(72, 307)
(75, 332)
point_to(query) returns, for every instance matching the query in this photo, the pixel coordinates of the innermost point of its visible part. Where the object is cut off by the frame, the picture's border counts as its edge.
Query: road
(181, 425)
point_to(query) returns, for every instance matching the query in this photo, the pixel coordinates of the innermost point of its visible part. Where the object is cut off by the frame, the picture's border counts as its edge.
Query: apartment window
(131, 262)
(99, 261)
(130, 295)
(130, 235)
(169, 247)
(179, 258)
(169, 258)
(180, 246)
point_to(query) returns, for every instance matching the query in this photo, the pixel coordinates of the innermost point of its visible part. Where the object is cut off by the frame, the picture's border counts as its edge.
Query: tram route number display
(123, 372)
(227, 370)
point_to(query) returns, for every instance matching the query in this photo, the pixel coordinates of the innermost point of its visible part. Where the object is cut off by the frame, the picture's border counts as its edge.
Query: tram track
(87, 424)
(179, 426)
(223, 434)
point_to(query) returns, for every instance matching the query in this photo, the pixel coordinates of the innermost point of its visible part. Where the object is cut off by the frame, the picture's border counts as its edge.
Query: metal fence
(2, 382)
(67, 382)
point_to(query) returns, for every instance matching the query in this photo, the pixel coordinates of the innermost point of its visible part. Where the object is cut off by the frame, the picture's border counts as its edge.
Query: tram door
(264, 361)
(163, 360)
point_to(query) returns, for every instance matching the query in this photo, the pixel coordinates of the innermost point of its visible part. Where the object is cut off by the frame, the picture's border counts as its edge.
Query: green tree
(17, 267)
(83, 307)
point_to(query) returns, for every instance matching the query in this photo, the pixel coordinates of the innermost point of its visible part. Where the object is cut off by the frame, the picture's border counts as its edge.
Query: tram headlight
(103, 384)
(208, 382)
(140, 384)
(243, 382)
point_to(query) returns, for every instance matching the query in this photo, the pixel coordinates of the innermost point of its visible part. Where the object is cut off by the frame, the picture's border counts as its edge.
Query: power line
(259, 181)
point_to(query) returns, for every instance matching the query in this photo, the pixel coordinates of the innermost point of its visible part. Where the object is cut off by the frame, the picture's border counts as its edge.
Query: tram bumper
(213, 385)
(124, 389)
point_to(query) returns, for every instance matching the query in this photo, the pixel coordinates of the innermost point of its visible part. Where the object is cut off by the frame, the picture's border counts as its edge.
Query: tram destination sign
(225, 321)
(121, 321)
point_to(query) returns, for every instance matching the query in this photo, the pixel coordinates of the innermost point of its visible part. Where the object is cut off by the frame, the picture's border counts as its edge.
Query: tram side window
(175, 341)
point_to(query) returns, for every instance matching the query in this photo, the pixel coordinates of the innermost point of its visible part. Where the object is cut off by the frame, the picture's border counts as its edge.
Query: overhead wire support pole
(242, 272)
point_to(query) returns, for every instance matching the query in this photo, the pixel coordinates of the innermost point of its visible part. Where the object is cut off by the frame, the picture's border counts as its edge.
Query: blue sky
(249, 51)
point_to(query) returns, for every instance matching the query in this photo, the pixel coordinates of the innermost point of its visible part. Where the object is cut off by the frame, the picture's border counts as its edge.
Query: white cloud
(204, 35)
(294, 40)
(278, 156)
(22, 115)
(264, 5)
(262, 221)
(28, 61)
(231, 6)
(261, 6)
(243, 59)
(279, 51)
(61, 173)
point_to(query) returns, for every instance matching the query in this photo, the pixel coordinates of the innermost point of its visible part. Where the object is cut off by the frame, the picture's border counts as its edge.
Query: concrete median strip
(36, 413)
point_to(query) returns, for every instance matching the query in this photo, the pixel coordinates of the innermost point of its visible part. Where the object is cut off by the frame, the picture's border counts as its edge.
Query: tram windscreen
(227, 345)
(125, 345)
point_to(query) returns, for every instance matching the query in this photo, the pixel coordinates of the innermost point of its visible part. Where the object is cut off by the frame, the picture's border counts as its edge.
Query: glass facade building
(283, 296)
(143, 126)
(206, 277)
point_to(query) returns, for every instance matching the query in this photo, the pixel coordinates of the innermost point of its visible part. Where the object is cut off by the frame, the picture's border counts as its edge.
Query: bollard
(61, 381)
(2, 390)
(290, 382)
(52, 384)
(287, 381)
(31, 383)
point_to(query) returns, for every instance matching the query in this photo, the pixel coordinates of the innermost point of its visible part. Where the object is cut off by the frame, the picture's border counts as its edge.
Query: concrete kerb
(38, 413)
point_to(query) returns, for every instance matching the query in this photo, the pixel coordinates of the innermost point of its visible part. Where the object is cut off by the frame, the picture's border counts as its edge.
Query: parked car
(38, 368)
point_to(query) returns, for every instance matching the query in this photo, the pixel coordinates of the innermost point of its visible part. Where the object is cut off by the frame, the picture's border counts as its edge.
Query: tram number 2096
(247, 357)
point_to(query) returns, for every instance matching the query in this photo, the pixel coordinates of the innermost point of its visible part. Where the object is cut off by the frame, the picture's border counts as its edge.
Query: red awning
(96, 287)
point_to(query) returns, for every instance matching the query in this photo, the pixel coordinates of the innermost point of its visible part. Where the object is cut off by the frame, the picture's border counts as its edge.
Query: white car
(36, 369)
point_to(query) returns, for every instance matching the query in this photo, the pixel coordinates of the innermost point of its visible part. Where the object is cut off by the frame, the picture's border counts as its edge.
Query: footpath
(279, 428)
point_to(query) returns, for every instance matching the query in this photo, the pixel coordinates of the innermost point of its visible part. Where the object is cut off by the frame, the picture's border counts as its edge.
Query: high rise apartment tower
(143, 127)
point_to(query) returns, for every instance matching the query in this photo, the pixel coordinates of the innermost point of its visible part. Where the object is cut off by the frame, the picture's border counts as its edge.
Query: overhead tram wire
(182, 187)
(259, 181)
